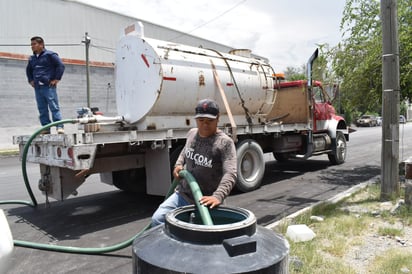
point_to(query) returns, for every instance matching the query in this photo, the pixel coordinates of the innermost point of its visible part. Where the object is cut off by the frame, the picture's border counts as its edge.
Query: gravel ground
(359, 257)
(364, 249)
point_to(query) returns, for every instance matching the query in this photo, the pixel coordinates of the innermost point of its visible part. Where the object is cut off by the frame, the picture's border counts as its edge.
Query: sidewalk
(7, 133)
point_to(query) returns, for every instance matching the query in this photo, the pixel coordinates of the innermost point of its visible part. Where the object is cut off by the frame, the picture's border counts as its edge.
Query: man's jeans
(174, 201)
(46, 98)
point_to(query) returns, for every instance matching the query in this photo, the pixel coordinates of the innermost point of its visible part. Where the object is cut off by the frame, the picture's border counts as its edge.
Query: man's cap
(207, 108)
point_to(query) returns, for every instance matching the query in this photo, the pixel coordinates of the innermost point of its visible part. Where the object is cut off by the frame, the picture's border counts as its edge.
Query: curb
(9, 152)
(333, 200)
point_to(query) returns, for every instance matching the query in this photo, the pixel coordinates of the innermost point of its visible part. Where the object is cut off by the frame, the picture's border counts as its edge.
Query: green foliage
(403, 107)
(292, 73)
(357, 60)
(389, 231)
(321, 70)
(405, 47)
(355, 64)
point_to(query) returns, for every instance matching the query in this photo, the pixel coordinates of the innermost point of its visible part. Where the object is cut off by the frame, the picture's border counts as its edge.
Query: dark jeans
(46, 98)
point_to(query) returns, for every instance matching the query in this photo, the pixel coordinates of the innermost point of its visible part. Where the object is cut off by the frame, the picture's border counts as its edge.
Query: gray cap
(207, 108)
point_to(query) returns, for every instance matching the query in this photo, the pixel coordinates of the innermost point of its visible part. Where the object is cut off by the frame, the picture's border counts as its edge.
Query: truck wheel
(250, 165)
(131, 180)
(338, 155)
(281, 157)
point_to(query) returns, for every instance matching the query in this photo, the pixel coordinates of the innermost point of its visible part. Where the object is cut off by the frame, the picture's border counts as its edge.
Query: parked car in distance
(402, 119)
(378, 120)
(366, 121)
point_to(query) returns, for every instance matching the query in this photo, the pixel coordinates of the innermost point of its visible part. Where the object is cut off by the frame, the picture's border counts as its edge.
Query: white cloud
(286, 32)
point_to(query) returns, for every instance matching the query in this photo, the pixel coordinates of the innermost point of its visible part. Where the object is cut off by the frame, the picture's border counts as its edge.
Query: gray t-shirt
(211, 161)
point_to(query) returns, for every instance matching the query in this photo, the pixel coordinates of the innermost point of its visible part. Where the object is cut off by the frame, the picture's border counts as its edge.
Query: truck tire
(338, 155)
(134, 180)
(250, 165)
(281, 157)
(131, 180)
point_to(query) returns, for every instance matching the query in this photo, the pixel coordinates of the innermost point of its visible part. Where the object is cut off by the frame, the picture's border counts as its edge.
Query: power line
(28, 45)
(211, 20)
(95, 38)
(107, 49)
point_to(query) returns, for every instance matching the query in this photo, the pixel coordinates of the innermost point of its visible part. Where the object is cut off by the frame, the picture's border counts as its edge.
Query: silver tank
(158, 83)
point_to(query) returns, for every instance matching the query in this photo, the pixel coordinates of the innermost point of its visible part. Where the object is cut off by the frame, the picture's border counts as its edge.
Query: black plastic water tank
(234, 244)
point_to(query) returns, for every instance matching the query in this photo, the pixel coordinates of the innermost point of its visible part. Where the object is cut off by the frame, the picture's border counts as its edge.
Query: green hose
(26, 149)
(91, 250)
(24, 160)
(197, 194)
(80, 250)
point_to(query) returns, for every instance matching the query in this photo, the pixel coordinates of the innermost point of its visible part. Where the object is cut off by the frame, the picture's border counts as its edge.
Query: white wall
(65, 22)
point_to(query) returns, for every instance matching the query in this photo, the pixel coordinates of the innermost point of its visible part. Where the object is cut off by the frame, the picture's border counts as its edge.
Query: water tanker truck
(158, 84)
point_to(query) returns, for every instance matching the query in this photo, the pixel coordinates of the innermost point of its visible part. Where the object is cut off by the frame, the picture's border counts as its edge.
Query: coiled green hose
(197, 194)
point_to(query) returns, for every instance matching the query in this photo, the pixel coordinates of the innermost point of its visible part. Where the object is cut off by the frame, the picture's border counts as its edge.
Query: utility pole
(87, 45)
(390, 101)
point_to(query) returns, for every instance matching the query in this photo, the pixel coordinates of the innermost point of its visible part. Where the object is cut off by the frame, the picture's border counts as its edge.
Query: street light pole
(390, 101)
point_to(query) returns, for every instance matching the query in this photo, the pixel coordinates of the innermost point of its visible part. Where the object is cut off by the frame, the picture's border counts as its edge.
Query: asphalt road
(102, 216)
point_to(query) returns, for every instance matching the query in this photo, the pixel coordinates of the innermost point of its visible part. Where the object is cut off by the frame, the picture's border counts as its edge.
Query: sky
(286, 32)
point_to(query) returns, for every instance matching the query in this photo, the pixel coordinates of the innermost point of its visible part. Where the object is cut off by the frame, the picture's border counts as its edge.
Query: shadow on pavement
(76, 217)
(349, 177)
(299, 185)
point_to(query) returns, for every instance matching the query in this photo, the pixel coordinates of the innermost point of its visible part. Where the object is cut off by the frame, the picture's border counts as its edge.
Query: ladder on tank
(267, 84)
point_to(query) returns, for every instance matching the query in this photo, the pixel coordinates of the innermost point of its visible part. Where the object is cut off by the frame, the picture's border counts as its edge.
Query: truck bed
(290, 104)
(77, 150)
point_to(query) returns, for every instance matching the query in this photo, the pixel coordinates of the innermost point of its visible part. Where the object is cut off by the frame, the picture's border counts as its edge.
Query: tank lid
(241, 52)
(229, 223)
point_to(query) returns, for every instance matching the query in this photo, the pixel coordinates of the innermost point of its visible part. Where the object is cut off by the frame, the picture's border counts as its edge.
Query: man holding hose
(210, 156)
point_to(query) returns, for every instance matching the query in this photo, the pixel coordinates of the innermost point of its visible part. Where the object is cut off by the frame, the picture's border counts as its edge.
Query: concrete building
(63, 25)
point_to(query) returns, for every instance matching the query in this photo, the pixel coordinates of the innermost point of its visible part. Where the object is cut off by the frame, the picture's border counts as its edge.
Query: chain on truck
(158, 83)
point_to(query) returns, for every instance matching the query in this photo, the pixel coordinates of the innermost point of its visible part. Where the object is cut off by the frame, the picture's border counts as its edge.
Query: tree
(293, 73)
(405, 48)
(321, 71)
(357, 60)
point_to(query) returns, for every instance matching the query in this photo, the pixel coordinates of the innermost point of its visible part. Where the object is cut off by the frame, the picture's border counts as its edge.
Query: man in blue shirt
(44, 70)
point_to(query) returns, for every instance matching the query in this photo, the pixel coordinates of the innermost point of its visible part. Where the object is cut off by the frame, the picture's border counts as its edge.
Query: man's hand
(209, 201)
(31, 83)
(176, 171)
(53, 83)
